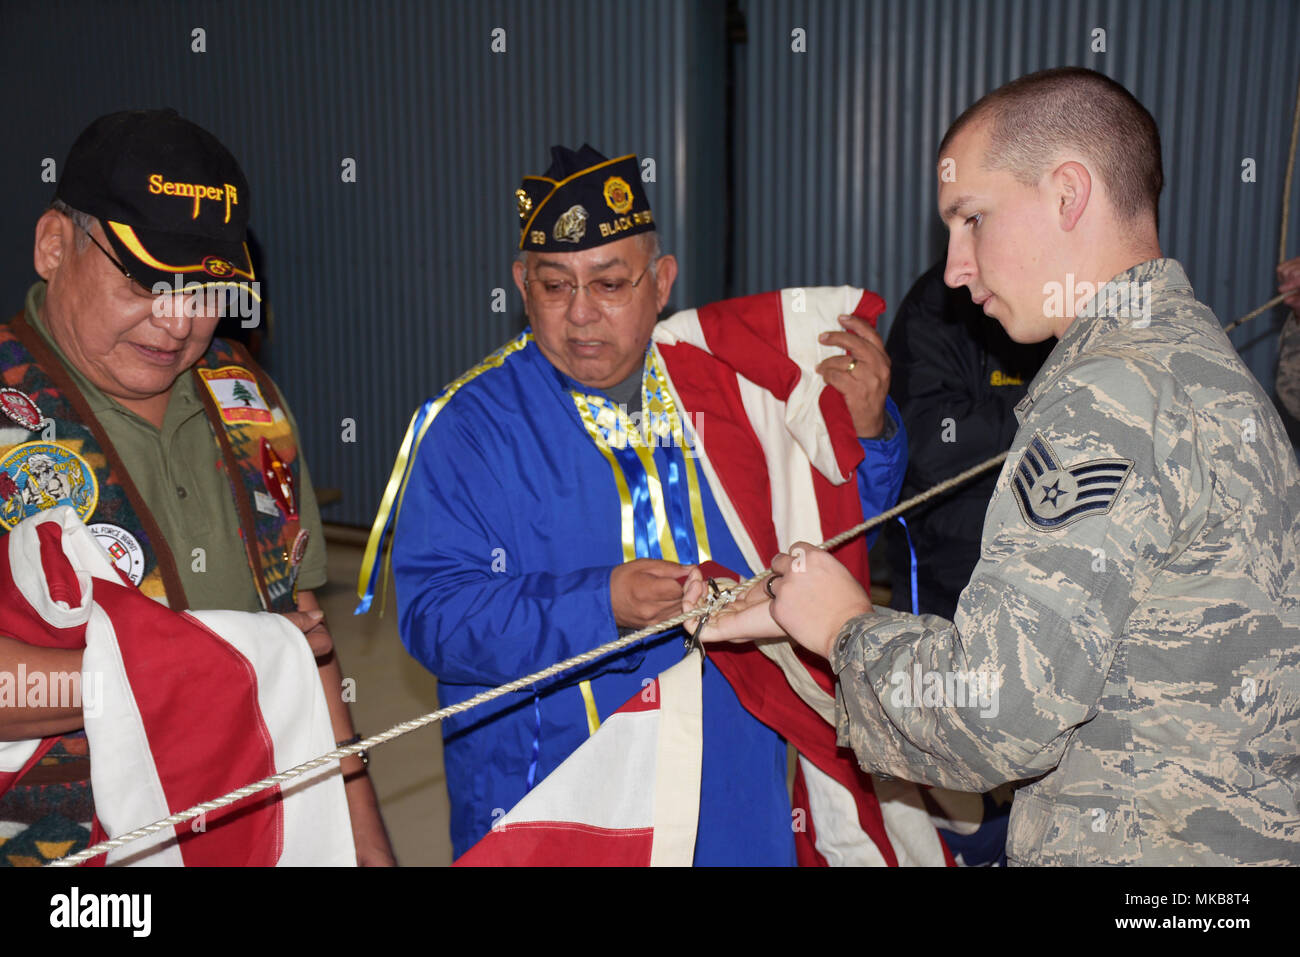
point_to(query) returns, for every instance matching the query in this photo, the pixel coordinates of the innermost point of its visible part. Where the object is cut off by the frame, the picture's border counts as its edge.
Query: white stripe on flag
(680, 763)
(834, 813)
(822, 307)
(908, 824)
(577, 792)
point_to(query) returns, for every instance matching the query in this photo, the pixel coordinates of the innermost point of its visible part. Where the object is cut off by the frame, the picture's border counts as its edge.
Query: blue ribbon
(679, 502)
(645, 528)
(537, 743)
(912, 553)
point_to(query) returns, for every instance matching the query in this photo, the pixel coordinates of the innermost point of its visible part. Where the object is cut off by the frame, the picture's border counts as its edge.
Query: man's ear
(518, 270)
(54, 241)
(665, 276)
(1072, 187)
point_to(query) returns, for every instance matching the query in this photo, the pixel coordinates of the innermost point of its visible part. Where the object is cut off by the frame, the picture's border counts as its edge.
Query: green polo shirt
(177, 470)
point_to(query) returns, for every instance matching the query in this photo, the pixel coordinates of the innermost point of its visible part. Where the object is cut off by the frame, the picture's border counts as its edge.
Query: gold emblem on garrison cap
(524, 202)
(572, 225)
(618, 195)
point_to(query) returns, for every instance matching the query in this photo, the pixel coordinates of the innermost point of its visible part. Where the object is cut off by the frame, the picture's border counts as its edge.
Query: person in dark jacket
(957, 376)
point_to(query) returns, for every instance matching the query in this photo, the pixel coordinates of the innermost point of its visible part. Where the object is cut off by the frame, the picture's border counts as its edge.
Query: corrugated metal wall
(839, 142)
(383, 288)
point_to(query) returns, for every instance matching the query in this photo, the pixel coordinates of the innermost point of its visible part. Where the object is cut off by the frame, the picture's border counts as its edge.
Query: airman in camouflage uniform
(1134, 620)
(1129, 642)
(1137, 599)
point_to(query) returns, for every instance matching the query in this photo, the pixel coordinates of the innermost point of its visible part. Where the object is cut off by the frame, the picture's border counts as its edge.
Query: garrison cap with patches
(583, 201)
(170, 197)
(1052, 497)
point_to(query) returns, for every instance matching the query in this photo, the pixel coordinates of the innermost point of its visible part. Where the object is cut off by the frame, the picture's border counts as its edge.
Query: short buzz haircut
(1033, 119)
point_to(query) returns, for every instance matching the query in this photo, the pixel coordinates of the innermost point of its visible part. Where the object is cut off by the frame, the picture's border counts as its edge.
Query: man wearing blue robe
(527, 533)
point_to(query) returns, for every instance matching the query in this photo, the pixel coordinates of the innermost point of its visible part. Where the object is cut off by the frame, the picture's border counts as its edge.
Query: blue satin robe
(507, 534)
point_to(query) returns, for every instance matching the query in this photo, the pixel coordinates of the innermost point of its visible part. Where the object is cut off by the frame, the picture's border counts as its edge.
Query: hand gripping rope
(716, 604)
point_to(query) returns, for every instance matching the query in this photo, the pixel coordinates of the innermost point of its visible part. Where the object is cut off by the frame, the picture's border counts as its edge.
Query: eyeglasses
(606, 292)
(140, 287)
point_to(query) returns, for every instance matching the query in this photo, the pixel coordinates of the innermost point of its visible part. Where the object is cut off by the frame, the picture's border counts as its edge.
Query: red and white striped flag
(778, 447)
(179, 708)
(629, 796)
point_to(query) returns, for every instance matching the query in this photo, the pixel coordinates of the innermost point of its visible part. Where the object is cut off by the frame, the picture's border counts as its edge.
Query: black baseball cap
(171, 199)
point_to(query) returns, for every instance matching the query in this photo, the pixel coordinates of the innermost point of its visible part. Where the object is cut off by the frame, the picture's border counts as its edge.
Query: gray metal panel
(837, 171)
(382, 288)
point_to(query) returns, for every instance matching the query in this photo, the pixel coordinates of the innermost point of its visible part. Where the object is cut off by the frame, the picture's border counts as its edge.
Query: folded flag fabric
(628, 797)
(781, 457)
(179, 708)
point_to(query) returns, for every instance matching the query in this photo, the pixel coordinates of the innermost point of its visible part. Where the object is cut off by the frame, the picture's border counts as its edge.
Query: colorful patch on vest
(279, 480)
(299, 549)
(36, 476)
(235, 392)
(264, 503)
(21, 408)
(1051, 497)
(123, 547)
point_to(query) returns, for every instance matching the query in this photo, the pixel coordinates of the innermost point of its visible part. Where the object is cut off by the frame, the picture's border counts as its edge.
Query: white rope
(1276, 300)
(715, 604)
(406, 727)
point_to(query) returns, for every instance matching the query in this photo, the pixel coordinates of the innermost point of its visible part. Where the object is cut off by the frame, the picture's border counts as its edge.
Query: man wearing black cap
(527, 533)
(175, 449)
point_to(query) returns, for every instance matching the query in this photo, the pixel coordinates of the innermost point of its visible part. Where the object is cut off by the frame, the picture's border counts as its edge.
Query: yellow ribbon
(397, 481)
(589, 698)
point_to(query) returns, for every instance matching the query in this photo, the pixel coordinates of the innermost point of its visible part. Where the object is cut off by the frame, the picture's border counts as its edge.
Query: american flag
(780, 453)
(187, 706)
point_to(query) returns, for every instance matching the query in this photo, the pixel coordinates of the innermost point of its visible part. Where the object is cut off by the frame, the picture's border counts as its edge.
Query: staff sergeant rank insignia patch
(1051, 497)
